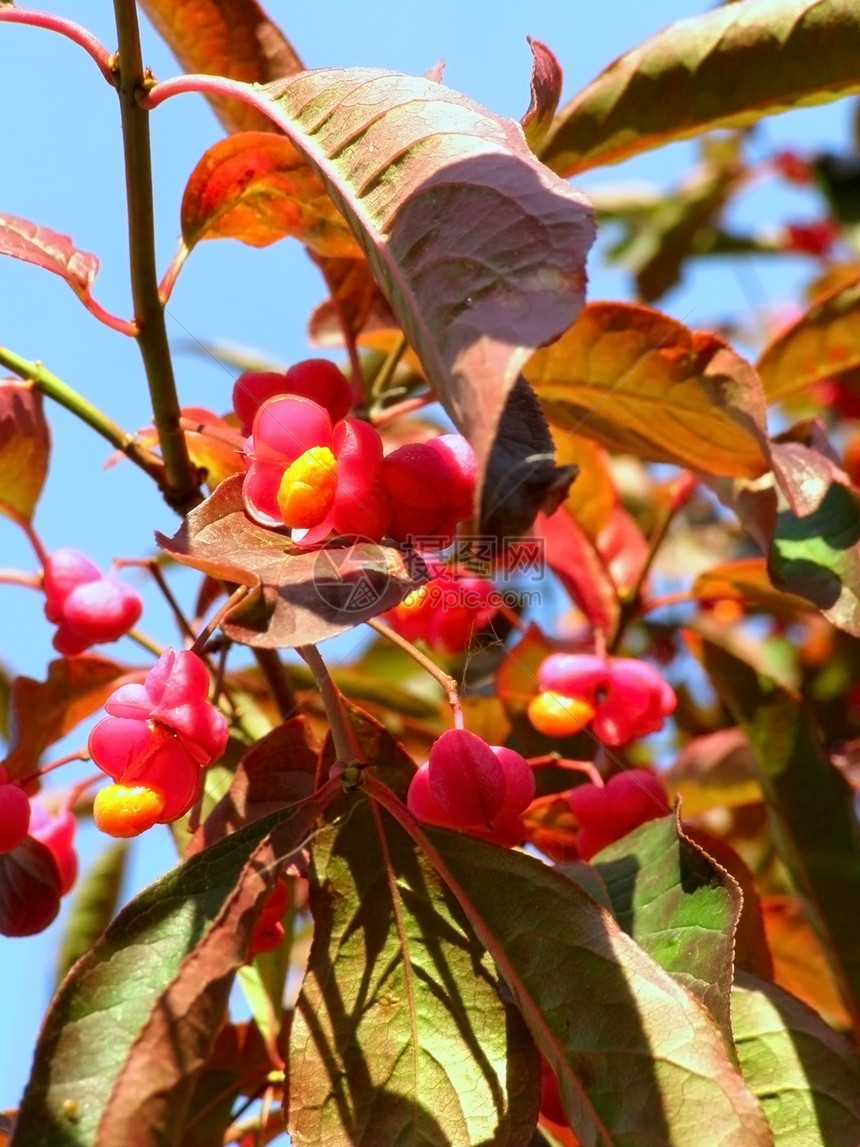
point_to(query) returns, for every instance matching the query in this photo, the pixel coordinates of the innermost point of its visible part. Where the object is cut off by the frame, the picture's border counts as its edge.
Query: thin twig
(51, 386)
(75, 32)
(280, 686)
(445, 679)
(180, 487)
(345, 743)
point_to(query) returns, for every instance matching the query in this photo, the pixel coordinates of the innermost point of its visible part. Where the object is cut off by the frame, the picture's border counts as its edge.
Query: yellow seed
(127, 810)
(557, 716)
(307, 489)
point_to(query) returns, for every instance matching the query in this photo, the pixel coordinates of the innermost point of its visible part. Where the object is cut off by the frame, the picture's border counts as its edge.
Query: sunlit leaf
(578, 565)
(478, 248)
(256, 187)
(725, 68)
(679, 907)
(599, 1008)
(301, 596)
(642, 383)
(49, 250)
(592, 496)
(93, 905)
(807, 1077)
(814, 824)
(25, 445)
(157, 979)
(399, 1032)
(799, 964)
(545, 93)
(45, 711)
(714, 770)
(822, 342)
(226, 38)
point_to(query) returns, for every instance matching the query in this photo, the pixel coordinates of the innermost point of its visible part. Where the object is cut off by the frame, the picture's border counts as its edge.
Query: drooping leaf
(226, 38)
(746, 580)
(25, 446)
(726, 68)
(642, 383)
(300, 596)
(399, 1033)
(167, 958)
(255, 186)
(599, 1007)
(806, 1077)
(799, 963)
(822, 342)
(415, 168)
(93, 905)
(49, 250)
(545, 94)
(44, 711)
(811, 808)
(522, 477)
(277, 771)
(29, 889)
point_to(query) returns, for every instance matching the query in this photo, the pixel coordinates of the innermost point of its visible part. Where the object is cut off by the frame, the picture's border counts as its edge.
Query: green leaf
(399, 1034)
(679, 907)
(811, 807)
(640, 382)
(806, 1076)
(724, 69)
(93, 905)
(142, 974)
(636, 1056)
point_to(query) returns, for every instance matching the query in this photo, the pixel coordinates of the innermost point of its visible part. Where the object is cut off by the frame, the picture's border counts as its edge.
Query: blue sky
(59, 131)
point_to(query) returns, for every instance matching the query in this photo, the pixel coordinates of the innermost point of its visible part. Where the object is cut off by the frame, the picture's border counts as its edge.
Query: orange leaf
(746, 580)
(799, 965)
(639, 382)
(592, 496)
(25, 445)
(232, 38)
(256, 187)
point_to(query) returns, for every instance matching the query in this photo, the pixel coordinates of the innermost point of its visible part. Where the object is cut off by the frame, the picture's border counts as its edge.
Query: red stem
(124, 326)
(18, 577)
(75, 32)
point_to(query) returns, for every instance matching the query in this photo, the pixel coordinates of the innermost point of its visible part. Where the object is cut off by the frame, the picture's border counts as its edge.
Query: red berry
(86, 607)
(315, 378)
(14, 815)
(56, 832)
(431, 486)
(792, 168)
(550, 1099)
(604, 815)
(269, 930)
(519, 780)
(446, 612)
(814, 238)
(466, 778)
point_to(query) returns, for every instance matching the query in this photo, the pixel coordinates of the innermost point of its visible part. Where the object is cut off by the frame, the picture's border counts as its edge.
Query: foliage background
(59, 132)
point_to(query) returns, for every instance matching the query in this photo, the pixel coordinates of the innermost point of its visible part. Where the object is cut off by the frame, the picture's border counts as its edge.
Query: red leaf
(226, 38)
(580, 568)
(49, 250)
(256, 187)
(302, 596)
(29, 889)
(25, 445)
(545, 93)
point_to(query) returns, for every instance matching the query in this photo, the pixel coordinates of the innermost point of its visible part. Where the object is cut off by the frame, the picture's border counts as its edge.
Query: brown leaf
(25, 446)
(44, 711)
(275, 772)
(545, 93)
(824, 341)
(639, 382)
(255, 186)
(231, 38)
(478, 248)
(301, 596)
